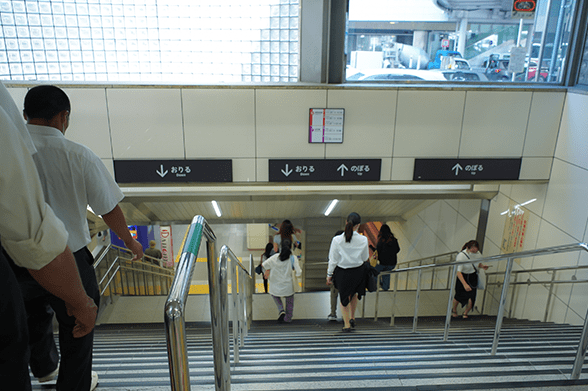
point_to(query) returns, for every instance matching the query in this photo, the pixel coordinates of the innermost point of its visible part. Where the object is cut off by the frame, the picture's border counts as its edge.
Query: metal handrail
(583, 343)
(117, 266)
(241, 307)
(174, 313)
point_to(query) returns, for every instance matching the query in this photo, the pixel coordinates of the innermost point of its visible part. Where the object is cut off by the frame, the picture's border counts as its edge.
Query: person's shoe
(332, 318)
(94, 381)
(346, 329)
(352, 323)
(50, 376)
(281, 317)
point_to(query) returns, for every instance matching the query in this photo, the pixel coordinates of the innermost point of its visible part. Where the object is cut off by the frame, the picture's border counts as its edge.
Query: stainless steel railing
(174, 313)
(118, 275)
(583, 343)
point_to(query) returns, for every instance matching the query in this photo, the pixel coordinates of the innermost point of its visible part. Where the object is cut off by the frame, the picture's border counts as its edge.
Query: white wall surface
(558, 216)
(251, 125)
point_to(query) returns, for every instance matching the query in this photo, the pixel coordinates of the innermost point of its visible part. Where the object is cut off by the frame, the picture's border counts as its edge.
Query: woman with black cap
(347, 255)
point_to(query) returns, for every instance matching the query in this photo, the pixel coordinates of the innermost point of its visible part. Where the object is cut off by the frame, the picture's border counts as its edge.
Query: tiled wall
(558, 216)
(252, 125)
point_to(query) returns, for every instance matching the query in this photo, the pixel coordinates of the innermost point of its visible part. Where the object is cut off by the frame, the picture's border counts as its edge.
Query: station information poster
(326, 126)
(167, 248)
(515, 228)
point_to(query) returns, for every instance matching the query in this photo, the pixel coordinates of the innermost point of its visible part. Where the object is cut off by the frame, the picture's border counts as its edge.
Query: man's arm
(115, 219)
(61, 278)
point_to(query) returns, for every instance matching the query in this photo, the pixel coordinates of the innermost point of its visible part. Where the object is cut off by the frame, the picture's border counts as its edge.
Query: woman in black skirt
(346, 269)
(467, 278)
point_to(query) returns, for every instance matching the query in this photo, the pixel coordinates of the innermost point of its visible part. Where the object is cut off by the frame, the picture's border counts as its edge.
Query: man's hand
(85, 317)
(61, 278)
(136, 248)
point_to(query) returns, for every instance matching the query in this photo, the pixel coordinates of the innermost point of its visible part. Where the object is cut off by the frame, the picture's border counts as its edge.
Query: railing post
(250, 292)
(217, 280)
(549, 296)
(394, 299)
(503, 296)
(234, 302)
(433, 273)
(512, 297)
(581, 352)
(416, 305)
(450, 303)
(379, 282)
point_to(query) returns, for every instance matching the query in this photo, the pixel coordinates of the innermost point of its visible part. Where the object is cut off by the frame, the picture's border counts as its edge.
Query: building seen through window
(457, 40)
(175, 41)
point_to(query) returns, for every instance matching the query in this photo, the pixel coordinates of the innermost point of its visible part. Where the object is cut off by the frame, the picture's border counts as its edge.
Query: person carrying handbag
(466, 285)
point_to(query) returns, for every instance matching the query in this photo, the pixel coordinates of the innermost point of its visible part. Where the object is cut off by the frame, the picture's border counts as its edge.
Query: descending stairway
(315, 355)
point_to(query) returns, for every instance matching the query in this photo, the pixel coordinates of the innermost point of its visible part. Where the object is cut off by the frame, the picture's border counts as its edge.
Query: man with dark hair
(72, 177)
(35, 239)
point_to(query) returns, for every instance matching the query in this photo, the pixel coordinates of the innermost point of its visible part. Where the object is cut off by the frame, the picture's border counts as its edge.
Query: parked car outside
(395, 74)
(463, 75)
(459, 63)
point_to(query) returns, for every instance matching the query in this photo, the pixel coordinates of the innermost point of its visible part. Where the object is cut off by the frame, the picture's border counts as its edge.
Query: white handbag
(295, 284)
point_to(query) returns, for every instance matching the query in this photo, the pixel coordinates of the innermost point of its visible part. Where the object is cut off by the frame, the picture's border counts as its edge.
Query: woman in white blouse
(346, 269)
(467, 278)
(278, 270)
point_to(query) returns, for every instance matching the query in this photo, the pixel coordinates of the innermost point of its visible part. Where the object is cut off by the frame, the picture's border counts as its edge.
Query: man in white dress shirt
(72, 177)
(35, 239)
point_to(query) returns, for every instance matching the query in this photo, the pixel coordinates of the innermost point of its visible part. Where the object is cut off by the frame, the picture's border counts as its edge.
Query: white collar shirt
(30, 232)
(73, 177)
(347, 255)
(467, 268)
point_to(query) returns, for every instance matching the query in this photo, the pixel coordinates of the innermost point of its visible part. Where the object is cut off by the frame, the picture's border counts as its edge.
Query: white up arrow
(343, 168)
(161, 173)
(457, 167)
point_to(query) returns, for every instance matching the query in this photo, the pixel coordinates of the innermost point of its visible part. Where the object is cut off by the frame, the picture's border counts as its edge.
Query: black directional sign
(466, 169)
(146, 171)
(313, 170)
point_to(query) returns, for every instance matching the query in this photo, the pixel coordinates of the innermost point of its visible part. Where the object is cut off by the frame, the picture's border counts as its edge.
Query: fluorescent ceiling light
(528, 202)
(216, 208)
(518, 206)
(330, 207)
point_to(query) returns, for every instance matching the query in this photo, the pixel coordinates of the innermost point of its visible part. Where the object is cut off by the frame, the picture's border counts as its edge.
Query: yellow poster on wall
(515, 227)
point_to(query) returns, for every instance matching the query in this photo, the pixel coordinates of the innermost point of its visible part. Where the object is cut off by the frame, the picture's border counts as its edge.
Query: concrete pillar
(419, 39)
(463, 31)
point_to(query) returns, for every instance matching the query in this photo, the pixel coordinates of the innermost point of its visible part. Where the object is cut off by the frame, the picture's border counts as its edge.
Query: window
(481, 41)
(176, 41)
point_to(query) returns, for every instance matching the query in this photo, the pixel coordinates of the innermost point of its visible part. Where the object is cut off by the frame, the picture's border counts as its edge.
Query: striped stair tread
(315, 355)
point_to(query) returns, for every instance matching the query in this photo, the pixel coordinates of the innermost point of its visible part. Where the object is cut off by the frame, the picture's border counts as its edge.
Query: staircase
(315, 355)
(319, 233)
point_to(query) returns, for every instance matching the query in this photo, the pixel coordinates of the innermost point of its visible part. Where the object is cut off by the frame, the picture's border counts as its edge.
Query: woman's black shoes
(352, 323)
(346, 329)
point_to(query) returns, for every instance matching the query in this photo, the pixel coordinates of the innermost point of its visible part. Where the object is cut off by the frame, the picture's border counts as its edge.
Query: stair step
(315, 355)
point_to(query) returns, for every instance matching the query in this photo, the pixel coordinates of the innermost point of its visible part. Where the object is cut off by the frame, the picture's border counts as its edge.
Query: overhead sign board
(326, 125)
(466, 169)
(313, 170)
(149, 171)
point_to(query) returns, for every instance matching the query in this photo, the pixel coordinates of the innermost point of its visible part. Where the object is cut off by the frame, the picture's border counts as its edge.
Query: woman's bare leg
(345, 312)
(352, 306)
